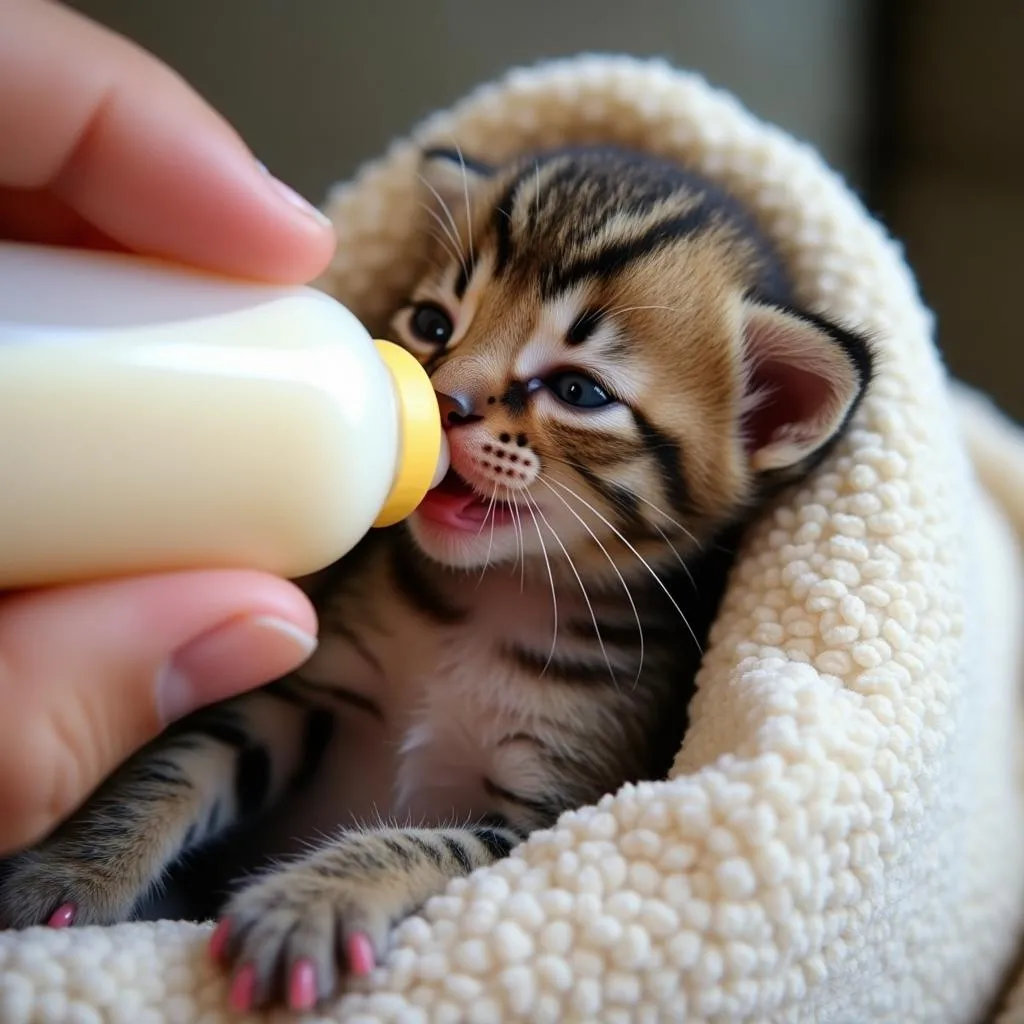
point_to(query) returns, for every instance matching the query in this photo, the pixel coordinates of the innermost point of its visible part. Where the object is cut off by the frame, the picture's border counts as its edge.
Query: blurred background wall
(918, 104)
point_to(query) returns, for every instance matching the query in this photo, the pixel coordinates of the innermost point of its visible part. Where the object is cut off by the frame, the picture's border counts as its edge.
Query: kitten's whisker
(678, 525)
(517, 526)
(489, 514)
(451, 243)
(633, 309)
(657, 579)
(465, 192)
(532, 505)
(490, 505)
(679, 557)
(536, 196)
(615, 569)
(447, 212)
(443, 240)
(515, 534)
(518, 512)
(492, 512)
(639, 497)
(583, 591)
(454, 235)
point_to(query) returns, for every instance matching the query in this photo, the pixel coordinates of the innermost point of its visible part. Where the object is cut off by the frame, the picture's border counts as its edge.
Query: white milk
(155, 418)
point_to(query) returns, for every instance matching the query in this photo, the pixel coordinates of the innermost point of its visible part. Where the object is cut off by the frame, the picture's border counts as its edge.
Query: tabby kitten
(626, 381)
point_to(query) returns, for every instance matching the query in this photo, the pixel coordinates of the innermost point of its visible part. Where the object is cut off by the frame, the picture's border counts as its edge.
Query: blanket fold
(841, 838)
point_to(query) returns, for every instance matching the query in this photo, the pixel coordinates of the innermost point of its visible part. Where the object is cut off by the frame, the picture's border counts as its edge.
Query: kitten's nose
(455, 409)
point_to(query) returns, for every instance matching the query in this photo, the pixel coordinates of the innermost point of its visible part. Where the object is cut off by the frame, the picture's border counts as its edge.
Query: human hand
(106, 147)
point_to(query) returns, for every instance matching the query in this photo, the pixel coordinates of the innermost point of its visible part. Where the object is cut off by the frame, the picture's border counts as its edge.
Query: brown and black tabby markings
(628, 382)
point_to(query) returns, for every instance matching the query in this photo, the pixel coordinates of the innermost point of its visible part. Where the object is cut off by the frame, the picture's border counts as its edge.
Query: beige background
(954, 191)
(317, 86)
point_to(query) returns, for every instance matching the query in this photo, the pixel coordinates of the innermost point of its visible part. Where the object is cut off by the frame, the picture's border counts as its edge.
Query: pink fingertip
(302, 987)
(360, 954)
(219, 939)
(63, 916)
(242, 989)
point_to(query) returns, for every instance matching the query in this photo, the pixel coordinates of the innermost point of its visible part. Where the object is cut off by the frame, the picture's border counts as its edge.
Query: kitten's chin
(456, 527)
(459, 548)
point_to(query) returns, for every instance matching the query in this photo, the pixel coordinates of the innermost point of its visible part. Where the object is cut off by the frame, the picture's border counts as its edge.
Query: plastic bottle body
(203, 424)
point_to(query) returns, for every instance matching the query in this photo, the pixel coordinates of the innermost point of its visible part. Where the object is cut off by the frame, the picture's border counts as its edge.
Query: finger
(40, 217)
(89, 674)
(129, 147)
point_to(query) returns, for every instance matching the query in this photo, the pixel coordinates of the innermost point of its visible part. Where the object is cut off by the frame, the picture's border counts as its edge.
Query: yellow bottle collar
(419, 433)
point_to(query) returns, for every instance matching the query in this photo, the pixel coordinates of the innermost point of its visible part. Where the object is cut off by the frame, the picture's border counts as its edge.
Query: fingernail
(361, 960)
(289, 195)
(63, 916)
(219, 940)
(236, 656)
(302, 991)
(243, 988)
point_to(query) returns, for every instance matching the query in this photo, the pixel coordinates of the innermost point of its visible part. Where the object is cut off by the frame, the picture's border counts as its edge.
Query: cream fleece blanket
(842, 837)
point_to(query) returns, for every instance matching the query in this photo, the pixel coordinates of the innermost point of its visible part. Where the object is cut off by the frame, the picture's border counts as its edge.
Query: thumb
(88, 674)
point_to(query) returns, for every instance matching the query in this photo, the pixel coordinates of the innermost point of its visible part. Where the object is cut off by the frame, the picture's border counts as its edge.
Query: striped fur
(630, 381)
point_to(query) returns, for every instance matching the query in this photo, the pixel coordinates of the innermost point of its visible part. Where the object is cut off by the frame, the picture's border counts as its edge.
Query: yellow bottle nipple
(419, 429)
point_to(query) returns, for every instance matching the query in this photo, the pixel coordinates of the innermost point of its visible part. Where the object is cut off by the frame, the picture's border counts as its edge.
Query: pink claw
(242, 989)
(360, 954)
(63, 916)
(302, 988)
(219, 939)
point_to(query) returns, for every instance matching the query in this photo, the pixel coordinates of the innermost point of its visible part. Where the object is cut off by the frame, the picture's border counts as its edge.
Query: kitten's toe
(40, 887)
(292, 937)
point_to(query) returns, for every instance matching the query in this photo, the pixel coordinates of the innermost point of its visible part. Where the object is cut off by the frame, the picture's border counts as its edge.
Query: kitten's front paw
(44, 887)
(292, 936)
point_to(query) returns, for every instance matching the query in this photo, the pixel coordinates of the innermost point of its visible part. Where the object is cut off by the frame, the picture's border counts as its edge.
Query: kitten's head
(618, 356)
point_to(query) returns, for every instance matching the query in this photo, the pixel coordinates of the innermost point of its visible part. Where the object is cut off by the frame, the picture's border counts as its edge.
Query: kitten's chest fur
(444, 697)
(442, 689)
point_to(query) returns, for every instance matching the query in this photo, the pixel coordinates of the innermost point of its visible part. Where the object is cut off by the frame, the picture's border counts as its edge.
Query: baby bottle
(154, 418)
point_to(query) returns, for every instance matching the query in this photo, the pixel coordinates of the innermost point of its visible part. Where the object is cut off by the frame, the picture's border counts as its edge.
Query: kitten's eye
(430, 323)
(579, 390)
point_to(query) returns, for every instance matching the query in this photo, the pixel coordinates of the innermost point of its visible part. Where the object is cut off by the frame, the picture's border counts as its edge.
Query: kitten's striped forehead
(569, 232)
(574, 326)
(523, 334)
(546, 342)
(584, 215)
(614, 311)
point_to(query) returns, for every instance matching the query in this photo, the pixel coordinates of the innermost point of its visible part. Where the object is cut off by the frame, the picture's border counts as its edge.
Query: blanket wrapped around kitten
(627, 382)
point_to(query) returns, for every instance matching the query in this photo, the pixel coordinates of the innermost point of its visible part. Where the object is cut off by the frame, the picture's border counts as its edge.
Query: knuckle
(46, 769)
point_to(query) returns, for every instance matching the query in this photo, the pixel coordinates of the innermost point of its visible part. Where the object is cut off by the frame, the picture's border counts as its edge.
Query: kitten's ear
(453, 176)
(804, 377)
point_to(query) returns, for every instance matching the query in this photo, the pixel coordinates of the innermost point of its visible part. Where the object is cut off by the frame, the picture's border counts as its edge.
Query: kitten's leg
(210, 771)
(286, 935)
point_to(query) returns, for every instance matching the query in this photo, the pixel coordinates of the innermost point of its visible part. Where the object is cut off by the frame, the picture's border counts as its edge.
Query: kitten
(626, 381)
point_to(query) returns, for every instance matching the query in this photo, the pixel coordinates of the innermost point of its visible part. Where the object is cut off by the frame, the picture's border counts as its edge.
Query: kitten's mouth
(456, 504)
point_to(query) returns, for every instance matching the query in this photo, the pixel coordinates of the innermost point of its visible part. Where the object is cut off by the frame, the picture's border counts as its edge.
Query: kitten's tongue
(455, 504)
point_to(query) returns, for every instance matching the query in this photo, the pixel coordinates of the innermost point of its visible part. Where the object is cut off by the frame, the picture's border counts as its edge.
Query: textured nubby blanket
(842, 837)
